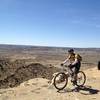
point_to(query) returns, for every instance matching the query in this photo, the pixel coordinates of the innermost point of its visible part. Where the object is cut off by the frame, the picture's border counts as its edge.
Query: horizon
(53, 23)
(49, 46)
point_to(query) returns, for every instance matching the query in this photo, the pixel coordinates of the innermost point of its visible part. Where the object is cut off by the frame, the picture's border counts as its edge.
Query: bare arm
(66, 60)
(76, 60)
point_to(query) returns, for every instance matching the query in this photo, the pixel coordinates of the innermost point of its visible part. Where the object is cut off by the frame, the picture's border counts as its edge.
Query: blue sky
(68, 23)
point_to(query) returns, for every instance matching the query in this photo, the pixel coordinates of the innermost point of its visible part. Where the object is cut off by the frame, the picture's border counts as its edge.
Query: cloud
(89, 22)
(98, 26)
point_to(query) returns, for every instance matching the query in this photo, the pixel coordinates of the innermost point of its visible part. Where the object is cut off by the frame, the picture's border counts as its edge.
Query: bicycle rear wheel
(60, 81)
(81, 79)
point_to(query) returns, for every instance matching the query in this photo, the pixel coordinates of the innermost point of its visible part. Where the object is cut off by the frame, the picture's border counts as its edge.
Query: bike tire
(83, 75)
(66, 81)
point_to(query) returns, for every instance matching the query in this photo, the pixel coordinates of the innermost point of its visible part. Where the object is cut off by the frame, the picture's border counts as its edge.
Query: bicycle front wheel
(60, 81)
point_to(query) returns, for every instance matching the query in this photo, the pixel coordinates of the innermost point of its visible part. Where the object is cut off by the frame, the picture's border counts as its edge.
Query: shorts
(76, 67)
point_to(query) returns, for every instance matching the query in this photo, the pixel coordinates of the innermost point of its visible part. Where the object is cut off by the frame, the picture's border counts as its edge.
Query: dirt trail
(39, 89)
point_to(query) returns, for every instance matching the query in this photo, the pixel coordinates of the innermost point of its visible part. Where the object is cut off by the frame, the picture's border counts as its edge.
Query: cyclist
(74, 62)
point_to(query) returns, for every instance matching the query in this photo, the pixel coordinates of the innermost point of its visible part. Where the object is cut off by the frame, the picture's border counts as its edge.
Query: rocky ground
(26, 72)
(40, 89)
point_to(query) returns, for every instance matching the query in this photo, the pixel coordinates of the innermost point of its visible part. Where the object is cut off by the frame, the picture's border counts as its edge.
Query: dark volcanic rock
(25, 73)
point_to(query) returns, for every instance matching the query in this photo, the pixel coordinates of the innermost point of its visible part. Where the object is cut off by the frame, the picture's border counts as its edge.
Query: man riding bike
(74, 62)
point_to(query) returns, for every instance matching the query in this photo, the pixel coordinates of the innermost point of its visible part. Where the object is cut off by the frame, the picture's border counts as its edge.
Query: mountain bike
(61, 78)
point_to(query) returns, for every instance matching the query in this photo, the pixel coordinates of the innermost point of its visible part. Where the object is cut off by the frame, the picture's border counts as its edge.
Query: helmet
(71, 50)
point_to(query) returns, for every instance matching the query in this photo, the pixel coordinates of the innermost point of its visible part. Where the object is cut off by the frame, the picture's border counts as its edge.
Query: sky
(62, 23)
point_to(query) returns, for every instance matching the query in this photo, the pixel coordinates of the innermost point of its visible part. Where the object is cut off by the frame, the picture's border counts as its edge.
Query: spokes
(81, 78)
(60, 81)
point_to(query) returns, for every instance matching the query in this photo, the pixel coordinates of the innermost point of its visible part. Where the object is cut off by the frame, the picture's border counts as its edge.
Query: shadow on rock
(87, 90)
